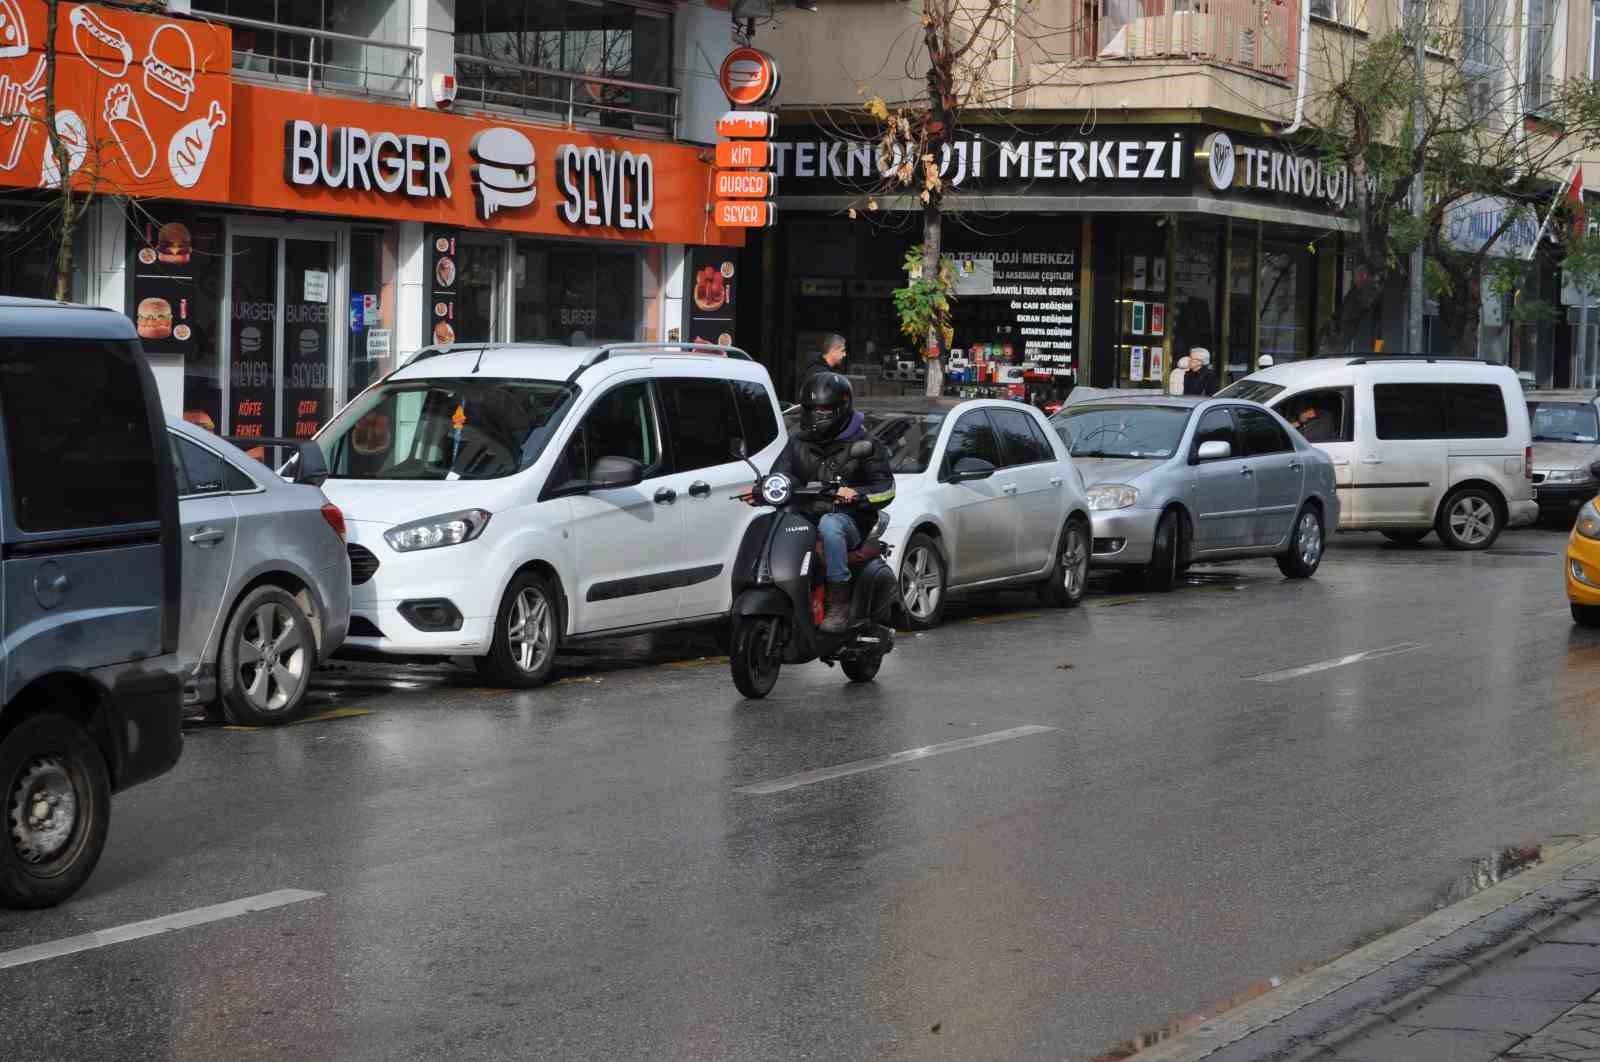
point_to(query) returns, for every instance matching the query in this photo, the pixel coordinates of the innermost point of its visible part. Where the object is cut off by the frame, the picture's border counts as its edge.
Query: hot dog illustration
(99, 43)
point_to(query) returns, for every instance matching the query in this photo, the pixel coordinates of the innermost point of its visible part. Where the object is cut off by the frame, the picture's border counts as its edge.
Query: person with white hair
(1200, 379)
(1265, 362)
(1175, 378)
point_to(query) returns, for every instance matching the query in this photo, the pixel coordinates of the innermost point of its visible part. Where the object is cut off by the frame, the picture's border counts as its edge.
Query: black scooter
(780, 588)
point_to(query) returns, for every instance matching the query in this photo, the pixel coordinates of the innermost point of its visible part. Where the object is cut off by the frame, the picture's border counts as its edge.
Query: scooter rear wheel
(861, 668)
(755, 671)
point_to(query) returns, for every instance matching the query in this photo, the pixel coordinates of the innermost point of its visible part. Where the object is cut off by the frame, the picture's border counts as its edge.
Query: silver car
(266, 579)
(1175, 481)
(1566, 443)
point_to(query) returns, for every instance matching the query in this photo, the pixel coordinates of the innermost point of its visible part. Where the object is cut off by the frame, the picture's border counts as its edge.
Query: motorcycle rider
(820, 453)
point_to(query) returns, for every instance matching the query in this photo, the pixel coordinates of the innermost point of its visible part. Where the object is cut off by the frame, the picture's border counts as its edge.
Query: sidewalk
(1510, 973)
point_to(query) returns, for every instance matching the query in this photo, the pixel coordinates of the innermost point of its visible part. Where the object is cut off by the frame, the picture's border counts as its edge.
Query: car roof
(554, 361)
(1154, 398)
(47, 318)
(1568, 395)
(1336, 367)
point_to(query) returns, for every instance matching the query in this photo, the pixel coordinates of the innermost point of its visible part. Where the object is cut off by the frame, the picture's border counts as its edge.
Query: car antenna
(479, 363)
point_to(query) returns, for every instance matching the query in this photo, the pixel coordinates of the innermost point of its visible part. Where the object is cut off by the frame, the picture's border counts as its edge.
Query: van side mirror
(1215, 450)
(610, 473)
(737, 449)
(1594, 470)
(971, 468)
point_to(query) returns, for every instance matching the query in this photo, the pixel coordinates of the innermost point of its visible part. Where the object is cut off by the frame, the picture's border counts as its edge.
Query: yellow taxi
(1583, 566)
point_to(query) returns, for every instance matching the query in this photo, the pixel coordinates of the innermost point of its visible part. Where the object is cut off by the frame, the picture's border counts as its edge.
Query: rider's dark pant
(840, 535)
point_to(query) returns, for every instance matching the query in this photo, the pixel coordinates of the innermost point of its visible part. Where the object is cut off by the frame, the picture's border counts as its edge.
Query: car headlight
(451, 529)
(1111, 496)
(1588, 524)
(1567, 475)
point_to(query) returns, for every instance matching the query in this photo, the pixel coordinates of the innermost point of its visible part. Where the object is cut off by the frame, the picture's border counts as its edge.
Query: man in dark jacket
(1201, 379)
(820, 453)
(830, 360)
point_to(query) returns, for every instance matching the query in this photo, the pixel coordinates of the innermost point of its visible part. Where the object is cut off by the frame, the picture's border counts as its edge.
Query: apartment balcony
(1258, 36)
(575, 100)
(318, 60)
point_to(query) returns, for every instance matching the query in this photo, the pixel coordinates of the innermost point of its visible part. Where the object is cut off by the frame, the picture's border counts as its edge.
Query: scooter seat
(862, 554)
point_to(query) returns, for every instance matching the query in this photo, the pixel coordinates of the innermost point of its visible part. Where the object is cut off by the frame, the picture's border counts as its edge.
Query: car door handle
(666, 496)
(699, 489)
(1055, 481)
(1372, 460)
(1295, 466)
(1247, 471)
(1009, 488)
(207, 536)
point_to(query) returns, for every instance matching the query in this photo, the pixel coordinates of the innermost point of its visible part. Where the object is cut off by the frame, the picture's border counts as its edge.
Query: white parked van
(1418, 444)
(502, 500)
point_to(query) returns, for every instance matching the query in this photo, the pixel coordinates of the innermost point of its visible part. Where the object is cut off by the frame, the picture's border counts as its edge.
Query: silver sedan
(266, 579)
(1179, 481)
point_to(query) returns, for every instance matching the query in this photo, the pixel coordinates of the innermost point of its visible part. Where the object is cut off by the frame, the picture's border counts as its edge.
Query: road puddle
(1488, 870)
(1131, 1047)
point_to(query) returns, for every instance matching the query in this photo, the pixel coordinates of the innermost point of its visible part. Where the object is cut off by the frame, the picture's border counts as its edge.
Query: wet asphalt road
(573, 873)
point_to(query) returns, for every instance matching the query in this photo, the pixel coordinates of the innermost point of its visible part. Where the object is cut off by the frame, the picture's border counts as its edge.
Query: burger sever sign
(345, 157)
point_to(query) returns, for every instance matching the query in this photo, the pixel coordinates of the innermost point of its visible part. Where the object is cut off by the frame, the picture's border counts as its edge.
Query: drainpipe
(1300, 70)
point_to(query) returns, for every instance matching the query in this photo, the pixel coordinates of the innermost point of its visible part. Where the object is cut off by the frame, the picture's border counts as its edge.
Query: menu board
(1028, 314)
(709, 311)
(439, 322)
(174, 262)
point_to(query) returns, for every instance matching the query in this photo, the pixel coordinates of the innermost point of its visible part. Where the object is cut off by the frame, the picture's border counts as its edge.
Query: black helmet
(826, 406)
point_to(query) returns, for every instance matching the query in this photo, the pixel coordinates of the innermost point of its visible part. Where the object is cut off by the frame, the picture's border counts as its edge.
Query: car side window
(1439, 411)
(1040, 438)
(757, 420)
(701, 418)
(78, 435)
(1321, 416)
(178, 472)
(1216, 425)
(1020, 445)
(1262, 435)
(203, 471)
(972, 436)
(621, 423)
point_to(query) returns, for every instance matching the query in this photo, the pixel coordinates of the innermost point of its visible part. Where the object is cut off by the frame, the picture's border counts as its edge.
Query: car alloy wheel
(529, 633)
(1473, 520)
(920, 584)
(1074, 561)
(274, 660)
(1308, 539)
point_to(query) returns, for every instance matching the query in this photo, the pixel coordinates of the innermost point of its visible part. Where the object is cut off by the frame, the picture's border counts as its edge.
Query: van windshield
(444, 429)
(1251, 390)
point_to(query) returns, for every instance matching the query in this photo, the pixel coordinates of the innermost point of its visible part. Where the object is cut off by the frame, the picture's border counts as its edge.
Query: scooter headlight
(775, 489)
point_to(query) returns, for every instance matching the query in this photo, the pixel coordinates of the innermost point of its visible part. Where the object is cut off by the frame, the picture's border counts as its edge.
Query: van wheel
(526, 634)
(1470, 519)
(1069, 575)
(1408, 537)
(923, 580)
(1304, 555)
(56, 808)
(268, 654)
(1163, 570)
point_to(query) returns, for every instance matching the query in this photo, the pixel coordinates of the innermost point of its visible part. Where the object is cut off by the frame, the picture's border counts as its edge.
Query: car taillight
(1527, 462)
(335, 518)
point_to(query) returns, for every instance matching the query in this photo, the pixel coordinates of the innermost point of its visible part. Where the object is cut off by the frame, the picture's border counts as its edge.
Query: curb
(1230, 1027)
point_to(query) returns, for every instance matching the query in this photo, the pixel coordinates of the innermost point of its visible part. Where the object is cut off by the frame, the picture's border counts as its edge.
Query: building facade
(291, 196)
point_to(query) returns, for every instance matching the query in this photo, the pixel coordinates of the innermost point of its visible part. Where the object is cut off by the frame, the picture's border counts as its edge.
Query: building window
(1286, 292)
(292, 50)
(1483, 55)
(1538, 64)
(1594, 37)
(566, 59)
(1351, 13)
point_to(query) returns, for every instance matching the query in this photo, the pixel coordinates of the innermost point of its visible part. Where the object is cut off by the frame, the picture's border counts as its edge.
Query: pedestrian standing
(1175, 378)
(1200, 379)
(830, 359)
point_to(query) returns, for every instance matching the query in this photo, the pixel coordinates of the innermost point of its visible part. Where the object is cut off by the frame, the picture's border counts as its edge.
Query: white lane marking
(1339, 661)
(153, 927)
(824, 774)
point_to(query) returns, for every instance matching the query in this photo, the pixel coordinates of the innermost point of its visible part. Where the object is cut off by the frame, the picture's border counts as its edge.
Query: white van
(503, 500)
(1418, 444)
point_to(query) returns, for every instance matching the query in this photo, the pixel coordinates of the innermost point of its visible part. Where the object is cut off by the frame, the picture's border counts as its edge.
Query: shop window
(579, 294)
(1241, 301)
(1142, 304)
(1197, 292)
(479, 291)
(373, 271)
(1287, 293)
(28, 251)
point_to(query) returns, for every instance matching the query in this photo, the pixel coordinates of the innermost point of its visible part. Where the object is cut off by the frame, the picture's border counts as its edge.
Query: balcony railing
(1257, 35)
(576, 99)
(321, 59)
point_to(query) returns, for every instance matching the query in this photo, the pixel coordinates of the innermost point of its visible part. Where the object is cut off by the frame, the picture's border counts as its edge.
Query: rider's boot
(838, 614)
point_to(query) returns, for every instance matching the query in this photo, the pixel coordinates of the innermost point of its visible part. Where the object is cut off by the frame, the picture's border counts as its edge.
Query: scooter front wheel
(755, 670)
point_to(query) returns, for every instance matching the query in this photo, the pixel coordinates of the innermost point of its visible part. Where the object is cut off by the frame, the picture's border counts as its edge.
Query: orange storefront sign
(316, 154)
(143, 103)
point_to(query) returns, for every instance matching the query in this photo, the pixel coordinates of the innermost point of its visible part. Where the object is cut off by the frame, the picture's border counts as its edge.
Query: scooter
(780, 588)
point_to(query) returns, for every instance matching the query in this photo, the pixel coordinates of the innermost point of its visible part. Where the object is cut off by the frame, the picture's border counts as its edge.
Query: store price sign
(747, 154)
(744, 215)
(742, 184)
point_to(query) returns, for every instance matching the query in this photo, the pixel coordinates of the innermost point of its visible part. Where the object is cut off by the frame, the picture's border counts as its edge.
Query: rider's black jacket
(807, 462)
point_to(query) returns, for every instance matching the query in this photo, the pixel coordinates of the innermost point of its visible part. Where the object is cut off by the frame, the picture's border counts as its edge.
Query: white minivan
(1418, 444)
(501, 500)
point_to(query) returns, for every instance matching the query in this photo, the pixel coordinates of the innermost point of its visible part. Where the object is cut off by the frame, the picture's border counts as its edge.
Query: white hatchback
(503, 500)
(985, 497)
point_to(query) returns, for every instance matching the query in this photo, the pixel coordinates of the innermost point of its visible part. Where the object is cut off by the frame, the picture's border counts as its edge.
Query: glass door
(480, 291)
(283, 295)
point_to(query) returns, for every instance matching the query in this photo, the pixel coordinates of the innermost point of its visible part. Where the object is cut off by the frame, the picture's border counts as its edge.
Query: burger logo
(503, 170)
(1220, 161)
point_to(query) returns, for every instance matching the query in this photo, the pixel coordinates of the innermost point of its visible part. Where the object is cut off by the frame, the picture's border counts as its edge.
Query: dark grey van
(91, 691)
